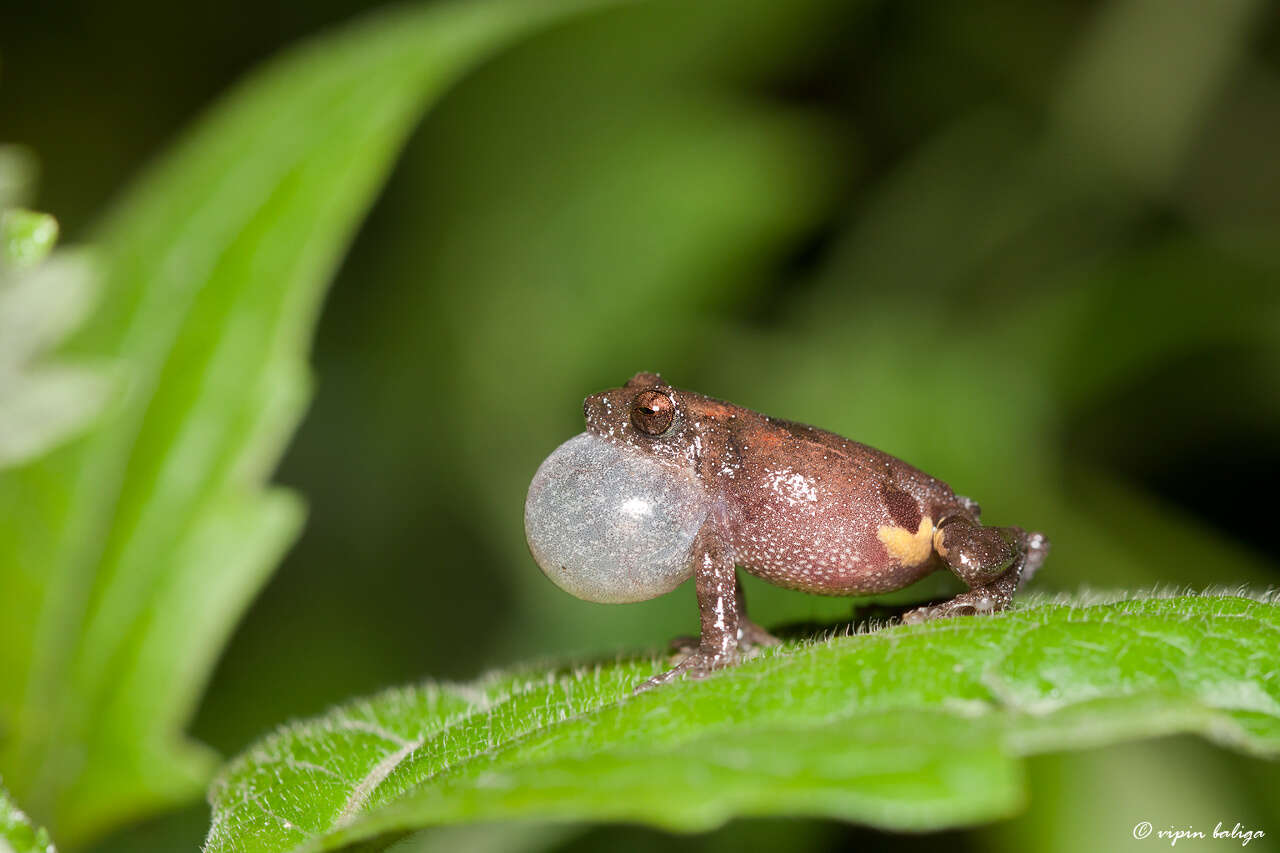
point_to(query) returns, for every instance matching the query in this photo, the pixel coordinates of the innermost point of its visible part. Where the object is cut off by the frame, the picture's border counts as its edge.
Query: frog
(667, 484)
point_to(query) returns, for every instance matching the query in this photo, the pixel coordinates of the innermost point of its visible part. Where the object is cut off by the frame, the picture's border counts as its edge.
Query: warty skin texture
(800, 507)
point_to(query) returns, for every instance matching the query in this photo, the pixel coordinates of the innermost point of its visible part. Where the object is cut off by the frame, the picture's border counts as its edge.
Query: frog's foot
(1037, 548)
(991, 598)
(751, 636)
(695, 664)
(682, 646)
(964, 604)
(992, 561)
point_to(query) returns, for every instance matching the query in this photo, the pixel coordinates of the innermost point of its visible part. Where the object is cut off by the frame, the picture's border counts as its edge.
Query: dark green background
(971, 234)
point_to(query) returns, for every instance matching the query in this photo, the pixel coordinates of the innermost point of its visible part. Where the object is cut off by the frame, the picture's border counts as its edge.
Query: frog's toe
(1036, 549)
(966, 604)
(920, 615)
(697, 664)
(684, 645)
(751, 635)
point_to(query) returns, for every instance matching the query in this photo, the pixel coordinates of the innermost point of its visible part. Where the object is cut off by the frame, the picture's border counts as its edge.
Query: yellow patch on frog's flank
(938, 544)
(909, 548)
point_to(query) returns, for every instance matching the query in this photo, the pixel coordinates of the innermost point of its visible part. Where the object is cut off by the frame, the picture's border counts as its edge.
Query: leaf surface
(913, 728)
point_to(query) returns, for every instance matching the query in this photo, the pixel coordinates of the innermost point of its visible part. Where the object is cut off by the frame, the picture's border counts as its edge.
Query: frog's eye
(652, 412)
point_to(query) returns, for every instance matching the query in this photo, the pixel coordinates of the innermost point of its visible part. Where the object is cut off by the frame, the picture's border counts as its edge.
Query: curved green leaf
(905, 728)
(126, 557)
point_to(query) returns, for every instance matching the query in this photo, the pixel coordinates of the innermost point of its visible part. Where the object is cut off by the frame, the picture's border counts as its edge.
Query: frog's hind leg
(992, 561)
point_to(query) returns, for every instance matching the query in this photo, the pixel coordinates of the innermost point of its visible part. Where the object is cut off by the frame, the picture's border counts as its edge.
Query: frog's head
(646, 415)
(612, 514)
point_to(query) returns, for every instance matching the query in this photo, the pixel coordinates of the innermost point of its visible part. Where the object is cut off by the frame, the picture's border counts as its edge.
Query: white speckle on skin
(793, 486)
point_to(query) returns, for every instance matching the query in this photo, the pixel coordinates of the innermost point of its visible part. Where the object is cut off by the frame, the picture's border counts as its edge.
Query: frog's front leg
(992, 561)
(720, 609)
(750, 635)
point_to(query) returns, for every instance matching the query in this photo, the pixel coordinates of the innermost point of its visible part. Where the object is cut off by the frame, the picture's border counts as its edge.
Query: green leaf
(914, 728)
(17, 834)
(45, 400)
(26, 236)
(127, 556)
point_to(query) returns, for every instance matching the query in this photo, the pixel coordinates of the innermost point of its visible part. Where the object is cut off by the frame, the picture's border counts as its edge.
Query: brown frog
(666, 484)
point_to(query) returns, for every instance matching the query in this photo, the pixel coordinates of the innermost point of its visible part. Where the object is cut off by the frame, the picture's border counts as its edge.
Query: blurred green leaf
(1122, 71)
(516, 272)
(17, 834)
(43, 400)
(26, 236)
(903, 728)
(126, 557)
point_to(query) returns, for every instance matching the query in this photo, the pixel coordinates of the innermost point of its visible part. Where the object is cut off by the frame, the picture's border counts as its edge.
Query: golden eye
(652, 412)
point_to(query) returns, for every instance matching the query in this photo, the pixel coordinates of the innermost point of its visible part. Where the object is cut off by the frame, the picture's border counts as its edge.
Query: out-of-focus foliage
(1029, 247)
(907, 728)
(17, 834)
(126, 557)
(43, 400)
(26, 236)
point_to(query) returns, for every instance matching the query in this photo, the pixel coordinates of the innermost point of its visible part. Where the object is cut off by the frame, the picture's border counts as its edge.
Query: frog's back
(812, 510)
